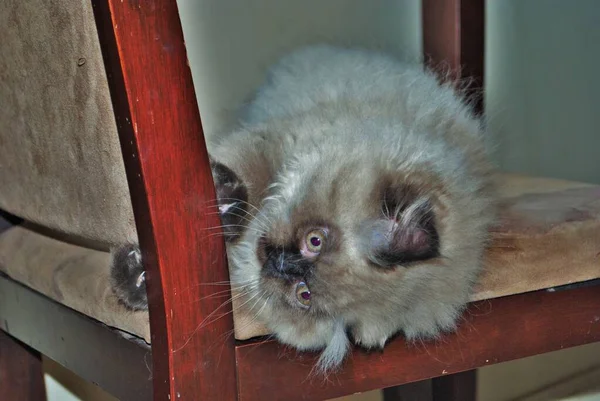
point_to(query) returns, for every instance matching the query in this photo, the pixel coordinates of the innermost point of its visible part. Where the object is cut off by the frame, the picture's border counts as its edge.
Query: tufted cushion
(549, 235)
(60, 159)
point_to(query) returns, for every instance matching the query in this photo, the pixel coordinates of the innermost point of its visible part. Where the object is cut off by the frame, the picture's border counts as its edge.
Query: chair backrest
(100, 124)
(60, 159)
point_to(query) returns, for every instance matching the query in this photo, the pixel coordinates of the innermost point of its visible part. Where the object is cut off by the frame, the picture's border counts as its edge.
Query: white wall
(543, 86)
(230, 43)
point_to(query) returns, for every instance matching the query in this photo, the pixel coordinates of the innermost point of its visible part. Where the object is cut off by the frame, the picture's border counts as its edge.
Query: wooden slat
(492, 331)
(453, 41)
(171, 185)
(90, 349)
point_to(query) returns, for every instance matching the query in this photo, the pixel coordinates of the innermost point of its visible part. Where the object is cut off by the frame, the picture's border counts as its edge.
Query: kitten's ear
(408, 235)
(232, 199)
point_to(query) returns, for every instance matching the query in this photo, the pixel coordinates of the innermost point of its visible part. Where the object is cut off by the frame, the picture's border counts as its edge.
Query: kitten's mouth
(302, 294)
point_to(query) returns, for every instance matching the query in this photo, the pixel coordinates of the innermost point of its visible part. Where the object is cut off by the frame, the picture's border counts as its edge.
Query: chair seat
(548, 235)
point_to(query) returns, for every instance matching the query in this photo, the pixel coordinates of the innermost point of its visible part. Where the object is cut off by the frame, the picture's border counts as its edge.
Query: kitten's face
(331, 249)
(333, 240)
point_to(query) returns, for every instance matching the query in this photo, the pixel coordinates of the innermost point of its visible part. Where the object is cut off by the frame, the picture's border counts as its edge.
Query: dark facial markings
(293, 255)
(406, 232)
(409, 245)
(285, 262)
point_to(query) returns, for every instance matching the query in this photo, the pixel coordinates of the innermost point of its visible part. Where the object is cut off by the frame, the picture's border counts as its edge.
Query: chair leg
(455, 387)
(21, 374)
(417, 391)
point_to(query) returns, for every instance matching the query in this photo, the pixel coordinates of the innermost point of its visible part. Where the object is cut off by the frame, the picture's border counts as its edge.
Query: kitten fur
(388, 164)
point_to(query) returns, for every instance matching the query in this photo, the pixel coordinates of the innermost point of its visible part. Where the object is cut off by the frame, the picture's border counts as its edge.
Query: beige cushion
(549, 235)
(75, 276)
(60, 159)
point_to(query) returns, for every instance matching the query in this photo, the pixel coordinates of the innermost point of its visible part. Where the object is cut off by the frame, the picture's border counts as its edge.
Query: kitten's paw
(367, 337)
(426, 320)
(128, 277)
(430, 320)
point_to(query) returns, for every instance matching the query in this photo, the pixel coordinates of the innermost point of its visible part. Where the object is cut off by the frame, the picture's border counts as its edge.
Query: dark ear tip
(232, 199)
(416, 241)
(221, 172)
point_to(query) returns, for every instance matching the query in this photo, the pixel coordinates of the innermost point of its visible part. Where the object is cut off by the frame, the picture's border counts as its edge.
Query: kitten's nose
(287, 265)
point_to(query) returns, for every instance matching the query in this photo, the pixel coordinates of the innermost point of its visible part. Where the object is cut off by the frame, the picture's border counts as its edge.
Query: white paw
(429, 322)
(369, 338)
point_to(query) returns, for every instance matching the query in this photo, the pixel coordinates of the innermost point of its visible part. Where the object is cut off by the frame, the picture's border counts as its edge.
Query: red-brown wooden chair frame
(171, 184)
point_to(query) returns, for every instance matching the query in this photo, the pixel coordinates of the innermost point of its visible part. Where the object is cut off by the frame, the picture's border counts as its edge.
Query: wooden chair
(170, 184)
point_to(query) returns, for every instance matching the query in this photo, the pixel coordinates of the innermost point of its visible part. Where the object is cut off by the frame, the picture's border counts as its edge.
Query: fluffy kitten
(355, 197)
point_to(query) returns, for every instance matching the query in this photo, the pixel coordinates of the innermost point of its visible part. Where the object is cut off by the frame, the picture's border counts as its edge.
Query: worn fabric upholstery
(60, 159)
(548, 235)
(75, 276)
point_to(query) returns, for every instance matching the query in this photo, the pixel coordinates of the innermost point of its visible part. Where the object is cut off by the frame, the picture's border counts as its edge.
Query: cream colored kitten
(356, 199)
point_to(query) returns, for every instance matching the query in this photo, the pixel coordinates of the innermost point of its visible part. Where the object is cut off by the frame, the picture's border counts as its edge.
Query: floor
(567, 375)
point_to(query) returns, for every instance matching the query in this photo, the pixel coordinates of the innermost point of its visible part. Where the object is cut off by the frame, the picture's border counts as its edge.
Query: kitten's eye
(303, 294)
(314, 241)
